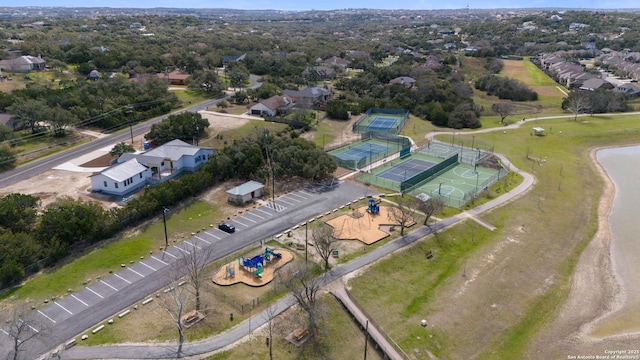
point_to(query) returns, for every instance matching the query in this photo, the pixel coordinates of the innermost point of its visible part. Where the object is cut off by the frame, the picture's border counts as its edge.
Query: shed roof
(245, 188)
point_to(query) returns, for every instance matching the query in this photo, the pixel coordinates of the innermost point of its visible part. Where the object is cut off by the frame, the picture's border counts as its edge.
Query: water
(623, 167)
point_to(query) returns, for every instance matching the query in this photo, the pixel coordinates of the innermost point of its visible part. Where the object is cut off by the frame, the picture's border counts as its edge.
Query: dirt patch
(363, 226)
(100, 161)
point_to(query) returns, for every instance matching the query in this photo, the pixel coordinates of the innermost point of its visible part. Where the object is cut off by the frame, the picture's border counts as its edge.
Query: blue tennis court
(383, 123)
(405, 170)
(362, 151)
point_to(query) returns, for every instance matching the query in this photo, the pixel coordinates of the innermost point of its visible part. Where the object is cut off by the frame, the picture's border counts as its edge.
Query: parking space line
(6, 333)
(170, 254)
(246, 218)
(183, 250)
(125, 280)
(306, 193)
(201, 239)
(63, 308)
(264, 212)
(33, 329)
(236, 220)
(98, 295)
(83, 303)
(298, 195)
(147, 266)
(288, 203)
(43, 314)
(256, 215)
(194, 245)
(210, 234)
(102, 281)
(289, 197)
(155, 258)
(136, 272)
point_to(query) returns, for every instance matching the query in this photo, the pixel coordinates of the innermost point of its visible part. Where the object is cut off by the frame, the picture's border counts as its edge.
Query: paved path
(378, 337)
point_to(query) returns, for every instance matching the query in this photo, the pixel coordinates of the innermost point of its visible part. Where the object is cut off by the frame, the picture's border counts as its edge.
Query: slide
(258, 271)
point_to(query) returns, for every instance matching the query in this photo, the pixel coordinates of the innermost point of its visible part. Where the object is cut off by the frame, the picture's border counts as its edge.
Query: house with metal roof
(245, 193)
(121, 179)
(22, 64)
(163, 163)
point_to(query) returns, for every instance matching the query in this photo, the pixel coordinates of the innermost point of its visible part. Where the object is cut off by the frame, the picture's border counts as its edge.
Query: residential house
(320, 73)
(628, 89)
(275, 105)
(230, 58)
(335, 61)
(133, 171)
(176, 77)
(309, 97)
(245, 193)
(596, 83)
(94, 75)
(406, 81)
(23, 64)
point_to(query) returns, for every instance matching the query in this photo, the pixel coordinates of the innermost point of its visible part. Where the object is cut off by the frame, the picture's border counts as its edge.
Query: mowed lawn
(486, 294)
(550, 94)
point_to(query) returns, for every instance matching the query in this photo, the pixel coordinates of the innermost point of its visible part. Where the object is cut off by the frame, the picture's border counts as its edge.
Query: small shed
(538, 131)
(244, 193)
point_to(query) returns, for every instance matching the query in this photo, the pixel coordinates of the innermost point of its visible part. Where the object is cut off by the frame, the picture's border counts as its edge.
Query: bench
(300, 333)
(429, 254)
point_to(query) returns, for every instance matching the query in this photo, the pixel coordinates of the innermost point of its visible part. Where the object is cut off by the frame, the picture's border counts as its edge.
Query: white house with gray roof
(162, 163)
(121, 179)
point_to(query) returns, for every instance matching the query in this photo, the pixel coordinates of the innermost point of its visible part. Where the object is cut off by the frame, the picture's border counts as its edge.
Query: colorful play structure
(256, 263)
(374, 207)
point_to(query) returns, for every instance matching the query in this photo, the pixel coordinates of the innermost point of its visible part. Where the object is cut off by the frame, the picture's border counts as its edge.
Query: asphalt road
(41, 165)
(69, 316)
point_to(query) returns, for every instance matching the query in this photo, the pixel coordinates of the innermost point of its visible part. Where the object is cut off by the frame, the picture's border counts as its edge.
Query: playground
(256, 271)
(363, 223)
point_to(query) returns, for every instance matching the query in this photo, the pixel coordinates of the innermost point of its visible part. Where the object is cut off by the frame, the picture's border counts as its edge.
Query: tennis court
(405, 170)
(386, 121)
(382, 123)
(362, 151)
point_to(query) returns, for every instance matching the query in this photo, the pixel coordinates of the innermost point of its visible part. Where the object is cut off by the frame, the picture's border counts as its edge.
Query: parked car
(226, 227)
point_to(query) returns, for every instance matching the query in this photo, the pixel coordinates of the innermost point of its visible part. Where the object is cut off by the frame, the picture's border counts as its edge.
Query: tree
(29, 113)
(173, 303)
(271, 313)
(194, 263)
(503, 109)
(429, 208)
(577, 102)
(59, 119)
(18, 211)
(206, 81)
(402, 212)
(22, 328)
(304, 287)
(186, 126)
(324, 242)
(121, 148)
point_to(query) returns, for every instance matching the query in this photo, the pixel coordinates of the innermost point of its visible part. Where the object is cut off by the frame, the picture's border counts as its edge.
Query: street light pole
(164, 220)
(306, 241)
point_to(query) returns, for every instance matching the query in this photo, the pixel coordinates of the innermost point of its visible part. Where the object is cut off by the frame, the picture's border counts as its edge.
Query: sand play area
(359, 224)
(234, 273)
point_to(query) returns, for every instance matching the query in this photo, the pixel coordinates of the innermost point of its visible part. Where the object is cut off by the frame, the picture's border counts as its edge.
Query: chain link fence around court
(466, 155)
(385, 145)
(362, 125)
(423, 191)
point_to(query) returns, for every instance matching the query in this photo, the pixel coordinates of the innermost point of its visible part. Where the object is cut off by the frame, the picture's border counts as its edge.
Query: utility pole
(306, 241)
(164, 220)
(366, 338)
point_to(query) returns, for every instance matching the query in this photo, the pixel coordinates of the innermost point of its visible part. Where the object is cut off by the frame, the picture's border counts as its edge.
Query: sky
(341, 4)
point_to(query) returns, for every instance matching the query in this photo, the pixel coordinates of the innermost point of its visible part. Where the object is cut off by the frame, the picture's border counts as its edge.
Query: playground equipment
(258, 271)
(374, 207)
(229, 272)
(252, 263)
(268, 253)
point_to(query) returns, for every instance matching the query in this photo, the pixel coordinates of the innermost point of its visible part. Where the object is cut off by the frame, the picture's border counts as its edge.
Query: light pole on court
(440, 188)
